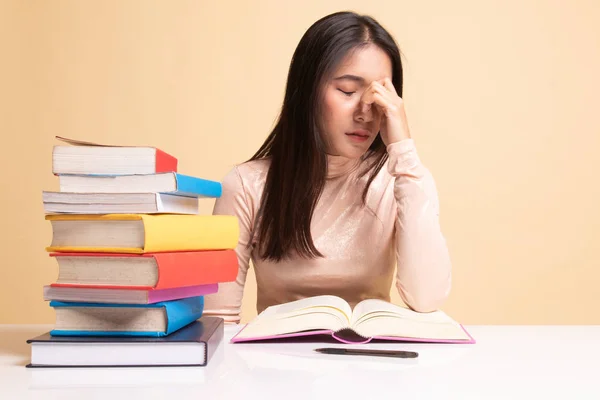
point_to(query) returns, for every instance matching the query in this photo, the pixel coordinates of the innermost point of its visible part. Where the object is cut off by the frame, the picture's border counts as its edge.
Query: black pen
(368, 352)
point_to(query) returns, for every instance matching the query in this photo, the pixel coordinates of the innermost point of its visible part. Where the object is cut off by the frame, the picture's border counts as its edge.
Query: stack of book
(135, 259)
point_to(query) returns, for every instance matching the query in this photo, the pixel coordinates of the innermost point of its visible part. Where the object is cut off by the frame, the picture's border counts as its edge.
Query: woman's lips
(359, 135)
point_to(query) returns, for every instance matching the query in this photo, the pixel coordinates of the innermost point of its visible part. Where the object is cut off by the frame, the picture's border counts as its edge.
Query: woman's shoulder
(248, 177)
(254, 169)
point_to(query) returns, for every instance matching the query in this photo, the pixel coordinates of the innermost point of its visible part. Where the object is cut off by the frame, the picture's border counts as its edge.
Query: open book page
(380, 318)
(314, 313)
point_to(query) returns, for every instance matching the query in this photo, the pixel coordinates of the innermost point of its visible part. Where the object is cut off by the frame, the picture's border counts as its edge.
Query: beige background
(502, 99)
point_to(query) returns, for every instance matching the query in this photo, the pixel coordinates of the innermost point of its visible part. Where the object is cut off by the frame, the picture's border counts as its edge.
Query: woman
(337, 195)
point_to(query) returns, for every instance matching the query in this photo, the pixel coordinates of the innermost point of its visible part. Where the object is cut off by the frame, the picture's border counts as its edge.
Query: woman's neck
(339, 165)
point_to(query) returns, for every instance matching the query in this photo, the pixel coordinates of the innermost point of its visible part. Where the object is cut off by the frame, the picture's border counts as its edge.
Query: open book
(370, 319)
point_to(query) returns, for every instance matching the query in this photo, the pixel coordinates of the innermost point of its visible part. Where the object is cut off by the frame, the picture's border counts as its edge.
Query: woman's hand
(394, 125)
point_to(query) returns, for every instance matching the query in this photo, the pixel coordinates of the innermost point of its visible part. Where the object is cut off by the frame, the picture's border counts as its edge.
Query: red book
(145, 271)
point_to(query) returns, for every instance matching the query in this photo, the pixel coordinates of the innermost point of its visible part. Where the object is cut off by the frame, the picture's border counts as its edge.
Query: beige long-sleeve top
(361, 244)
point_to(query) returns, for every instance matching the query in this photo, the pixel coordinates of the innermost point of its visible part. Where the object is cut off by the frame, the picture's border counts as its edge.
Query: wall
(502, 99)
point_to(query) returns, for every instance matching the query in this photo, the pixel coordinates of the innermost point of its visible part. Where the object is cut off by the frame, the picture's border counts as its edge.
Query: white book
(118, 203)
(193, 345)
(79, 157)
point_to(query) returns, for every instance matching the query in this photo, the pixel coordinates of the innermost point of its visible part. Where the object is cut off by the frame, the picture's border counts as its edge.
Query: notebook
(194, 345)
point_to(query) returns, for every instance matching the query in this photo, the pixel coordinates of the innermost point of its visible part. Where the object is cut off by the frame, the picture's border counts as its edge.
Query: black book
(193, 345)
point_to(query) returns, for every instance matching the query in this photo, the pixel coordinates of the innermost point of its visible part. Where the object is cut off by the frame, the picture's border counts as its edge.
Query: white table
(508, 362)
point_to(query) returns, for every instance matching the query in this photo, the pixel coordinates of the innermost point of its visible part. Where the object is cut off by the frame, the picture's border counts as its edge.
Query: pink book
(125, 296)
(329, 317)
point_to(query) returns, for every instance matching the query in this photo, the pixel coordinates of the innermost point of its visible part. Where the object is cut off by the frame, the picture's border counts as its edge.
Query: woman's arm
(424, 269)
(226, 303)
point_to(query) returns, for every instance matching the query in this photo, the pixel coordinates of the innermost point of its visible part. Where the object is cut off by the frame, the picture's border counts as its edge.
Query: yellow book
(142, 233)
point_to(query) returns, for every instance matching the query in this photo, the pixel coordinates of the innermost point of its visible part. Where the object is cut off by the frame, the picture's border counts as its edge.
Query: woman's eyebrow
(354, 78)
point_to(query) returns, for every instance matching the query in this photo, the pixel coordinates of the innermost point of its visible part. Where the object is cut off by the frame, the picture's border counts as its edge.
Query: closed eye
(347, 93)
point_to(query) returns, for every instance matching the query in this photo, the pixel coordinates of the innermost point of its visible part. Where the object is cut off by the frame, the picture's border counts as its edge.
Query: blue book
(167, 182)
(104, 319)
(190, 186)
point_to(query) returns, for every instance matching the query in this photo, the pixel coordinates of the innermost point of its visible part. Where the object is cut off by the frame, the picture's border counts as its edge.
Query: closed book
(193, 345)
(80, 157)
(171, 183)
(118, 203)
(129, 295)
(142, 233)
(93, 319)
(146, 271)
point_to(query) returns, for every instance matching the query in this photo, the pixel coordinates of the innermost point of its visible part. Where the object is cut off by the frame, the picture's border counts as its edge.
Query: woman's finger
(385, 92)
(367, 96)
(375, 87)
(386, 106)
(387, 83)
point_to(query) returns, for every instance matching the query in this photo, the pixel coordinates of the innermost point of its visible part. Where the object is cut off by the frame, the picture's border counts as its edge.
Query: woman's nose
(364, 113)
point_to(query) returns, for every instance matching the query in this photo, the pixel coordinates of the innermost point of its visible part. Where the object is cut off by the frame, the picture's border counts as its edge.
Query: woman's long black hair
(298, 162)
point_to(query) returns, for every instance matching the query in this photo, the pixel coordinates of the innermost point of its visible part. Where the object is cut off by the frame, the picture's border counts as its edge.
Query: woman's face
(349, 126)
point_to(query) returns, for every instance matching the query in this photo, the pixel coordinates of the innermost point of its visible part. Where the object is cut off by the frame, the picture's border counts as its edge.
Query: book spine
(215, 338)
